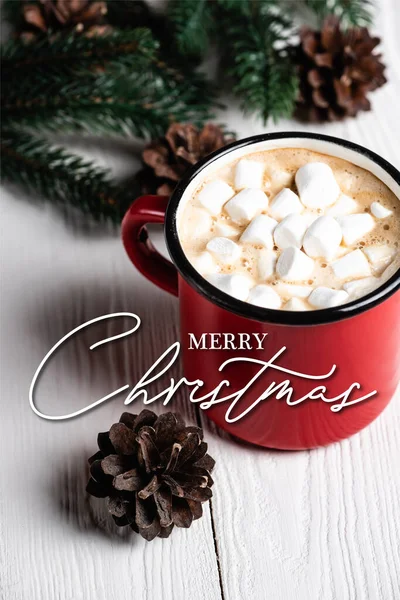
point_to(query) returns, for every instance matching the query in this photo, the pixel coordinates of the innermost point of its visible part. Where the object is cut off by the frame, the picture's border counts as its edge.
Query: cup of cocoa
(285, 256)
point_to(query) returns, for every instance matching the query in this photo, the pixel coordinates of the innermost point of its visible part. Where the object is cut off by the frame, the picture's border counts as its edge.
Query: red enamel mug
(361, 339)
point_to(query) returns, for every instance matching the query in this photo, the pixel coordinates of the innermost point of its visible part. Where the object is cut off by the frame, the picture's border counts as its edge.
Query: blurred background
(101, 101)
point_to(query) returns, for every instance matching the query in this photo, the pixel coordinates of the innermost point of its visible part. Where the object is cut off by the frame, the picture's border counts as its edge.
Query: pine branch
(130, 92)
(74, 53)
(257, 56)
(61, 177)
(352, 13)
(192, 23)
(143, 104)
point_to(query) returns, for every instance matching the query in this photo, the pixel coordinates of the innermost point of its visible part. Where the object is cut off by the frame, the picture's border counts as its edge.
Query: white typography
(283, 390)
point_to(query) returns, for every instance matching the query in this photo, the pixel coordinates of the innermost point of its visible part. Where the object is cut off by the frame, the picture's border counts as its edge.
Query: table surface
(323, 524)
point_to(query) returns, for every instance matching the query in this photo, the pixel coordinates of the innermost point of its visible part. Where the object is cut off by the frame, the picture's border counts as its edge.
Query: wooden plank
(56, 544)
(322, 524)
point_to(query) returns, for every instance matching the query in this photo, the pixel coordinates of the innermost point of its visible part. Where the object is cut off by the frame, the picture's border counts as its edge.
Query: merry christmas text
(235, 411)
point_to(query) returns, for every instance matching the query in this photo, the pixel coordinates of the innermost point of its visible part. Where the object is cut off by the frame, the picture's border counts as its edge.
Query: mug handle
(135, 237)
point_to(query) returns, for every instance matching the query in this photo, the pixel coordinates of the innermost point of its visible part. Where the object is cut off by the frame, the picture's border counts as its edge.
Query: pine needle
(257, 57)
(59, 176)
(352, 13)
(192, 23)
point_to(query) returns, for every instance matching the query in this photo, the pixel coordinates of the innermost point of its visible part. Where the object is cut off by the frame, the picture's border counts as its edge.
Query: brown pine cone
(337, 70)
(56, 15)
(169, 157)
(155, 472)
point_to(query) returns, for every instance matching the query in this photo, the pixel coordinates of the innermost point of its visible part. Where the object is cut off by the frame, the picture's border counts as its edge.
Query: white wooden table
(319, 525)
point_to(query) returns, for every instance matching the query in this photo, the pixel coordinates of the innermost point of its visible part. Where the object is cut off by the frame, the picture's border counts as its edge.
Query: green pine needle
(192, 23)
(74, 53)
(120, 86)
(352, 13)
(59, 176)
(141, 104)
(255, 47)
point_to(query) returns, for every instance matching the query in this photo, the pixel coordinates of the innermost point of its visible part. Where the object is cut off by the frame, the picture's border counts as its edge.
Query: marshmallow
(246, 205)
(204, 263)
(390, 270)
(260, 231)
(342, 251)
(360, 287)
(280, 178)
(352, 266)
(322, 238)
(235, 285)
(309, 217)
(290, 232)
(354, 227)
(317, 185)
(343, 206)
(265, 296)
(224, 249)
(295, 304)
(379, 256)
(222, 229)
(266, 263)
(294, 265)
(284, 204)
(249, 174)
(289, 289)
(214, 195)
(324, 297)
(379, 211)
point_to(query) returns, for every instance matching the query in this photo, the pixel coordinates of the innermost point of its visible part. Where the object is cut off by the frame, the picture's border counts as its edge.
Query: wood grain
(319, 525)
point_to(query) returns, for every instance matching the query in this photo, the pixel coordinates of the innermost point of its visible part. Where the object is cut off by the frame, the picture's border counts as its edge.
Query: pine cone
(337, 69)
(155, 472)
(56, 15)
(169, 157)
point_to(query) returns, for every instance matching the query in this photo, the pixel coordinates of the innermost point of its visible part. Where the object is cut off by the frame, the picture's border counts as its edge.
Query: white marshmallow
(342, 251)
(352, 266)
(266, 263)
(224, 250)
(354, 227)
(343, 206)
(322, 238)
(324, 297)
(284, 204)
(309, 217)
(317, 185)
(295, 304)
(360, 287)
(249, 174)
(379, 211)
(248, 203)
(294, 265)
(204, 263)
(280, 178)
(290, 232)
(260, 231)
(223, 229)
(265, 296)
(235, 285)
(390, 270)
(379, 256)
(199, 223)
(214, 195)
(290, 289)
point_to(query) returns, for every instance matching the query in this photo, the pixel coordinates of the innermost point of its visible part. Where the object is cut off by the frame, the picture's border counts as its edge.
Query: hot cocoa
(292, 229)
